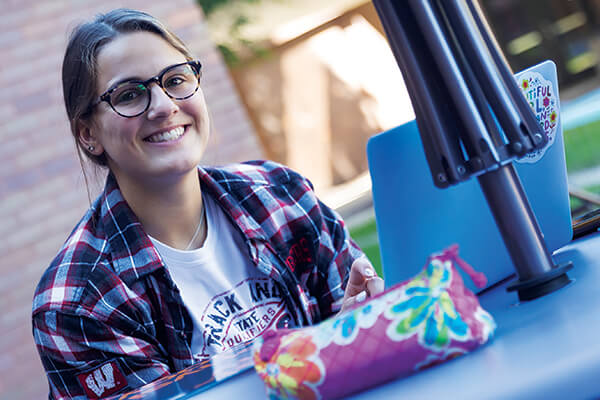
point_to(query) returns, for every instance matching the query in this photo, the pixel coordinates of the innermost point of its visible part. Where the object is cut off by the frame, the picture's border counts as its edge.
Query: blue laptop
(414, 218)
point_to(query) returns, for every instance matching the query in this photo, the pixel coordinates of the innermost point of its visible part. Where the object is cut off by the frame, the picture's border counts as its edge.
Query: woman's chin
(177, 170)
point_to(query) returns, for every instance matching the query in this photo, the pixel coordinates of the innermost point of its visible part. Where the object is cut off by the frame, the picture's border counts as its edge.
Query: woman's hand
(362, 283)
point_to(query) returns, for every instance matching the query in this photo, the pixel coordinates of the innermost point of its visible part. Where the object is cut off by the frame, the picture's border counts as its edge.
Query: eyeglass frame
(195, 64)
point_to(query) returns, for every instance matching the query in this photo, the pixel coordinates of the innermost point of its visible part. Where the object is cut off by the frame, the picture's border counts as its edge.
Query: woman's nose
(161, 105)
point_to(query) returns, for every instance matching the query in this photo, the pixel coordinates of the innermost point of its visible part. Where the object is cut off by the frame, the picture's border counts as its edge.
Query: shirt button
(182, 335)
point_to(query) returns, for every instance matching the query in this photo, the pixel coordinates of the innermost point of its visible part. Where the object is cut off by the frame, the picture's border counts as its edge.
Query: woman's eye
(128, 95)
(174, 81)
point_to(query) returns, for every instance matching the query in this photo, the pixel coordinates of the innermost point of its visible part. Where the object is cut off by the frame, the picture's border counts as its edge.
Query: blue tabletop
(544, 349)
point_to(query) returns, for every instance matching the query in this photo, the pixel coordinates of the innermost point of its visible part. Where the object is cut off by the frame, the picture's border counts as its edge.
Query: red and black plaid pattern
(106, 304)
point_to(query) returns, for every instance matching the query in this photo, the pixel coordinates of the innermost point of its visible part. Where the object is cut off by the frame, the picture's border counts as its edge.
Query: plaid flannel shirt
(107, 315)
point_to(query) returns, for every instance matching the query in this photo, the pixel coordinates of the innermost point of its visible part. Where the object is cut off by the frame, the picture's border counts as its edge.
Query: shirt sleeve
(85, 358)
(336, 253)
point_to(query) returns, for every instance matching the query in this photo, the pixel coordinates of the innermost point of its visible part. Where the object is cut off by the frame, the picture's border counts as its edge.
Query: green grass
(365, 236)
(592, 188)
(575, 203)
(363, 230)
(582, 150)
(582, 146)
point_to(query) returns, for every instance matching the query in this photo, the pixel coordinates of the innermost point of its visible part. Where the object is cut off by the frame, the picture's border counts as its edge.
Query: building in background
(42, 192)
(565, 31)
(318, 79)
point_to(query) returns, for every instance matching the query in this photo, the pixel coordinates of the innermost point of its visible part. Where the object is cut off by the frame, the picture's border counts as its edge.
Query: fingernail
(369, 273)
(361, 296)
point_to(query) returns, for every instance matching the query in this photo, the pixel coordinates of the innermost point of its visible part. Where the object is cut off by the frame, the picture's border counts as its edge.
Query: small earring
(91, 148)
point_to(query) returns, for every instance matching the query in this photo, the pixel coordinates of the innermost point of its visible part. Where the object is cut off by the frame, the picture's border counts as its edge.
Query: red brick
(49, 8)
(183, 16)
(47, 248)
(26, 123)
(37, 212)
(9, 224)
(13, 19)
(7, 111)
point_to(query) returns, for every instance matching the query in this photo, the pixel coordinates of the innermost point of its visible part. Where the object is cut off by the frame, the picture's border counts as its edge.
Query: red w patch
(299, 254)
(103, 381)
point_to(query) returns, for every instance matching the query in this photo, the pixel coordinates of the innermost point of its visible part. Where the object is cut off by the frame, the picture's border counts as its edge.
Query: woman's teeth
(167, 136)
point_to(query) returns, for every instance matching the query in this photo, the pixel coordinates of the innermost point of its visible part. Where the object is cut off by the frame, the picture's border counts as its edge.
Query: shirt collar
(132, 252)
(215, 181)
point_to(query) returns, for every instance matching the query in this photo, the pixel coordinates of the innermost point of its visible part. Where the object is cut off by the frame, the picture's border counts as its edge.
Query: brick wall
(42, 192)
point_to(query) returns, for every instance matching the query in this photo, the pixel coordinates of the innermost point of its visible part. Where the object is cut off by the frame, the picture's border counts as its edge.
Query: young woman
(175, 263)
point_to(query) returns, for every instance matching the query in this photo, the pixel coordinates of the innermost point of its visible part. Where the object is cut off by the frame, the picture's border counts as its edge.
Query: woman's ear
(87, 139)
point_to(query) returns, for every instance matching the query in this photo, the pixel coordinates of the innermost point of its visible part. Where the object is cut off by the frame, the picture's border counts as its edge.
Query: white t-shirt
(230, 300)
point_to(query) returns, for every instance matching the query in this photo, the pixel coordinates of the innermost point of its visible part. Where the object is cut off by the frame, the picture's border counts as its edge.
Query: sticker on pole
(543, 99)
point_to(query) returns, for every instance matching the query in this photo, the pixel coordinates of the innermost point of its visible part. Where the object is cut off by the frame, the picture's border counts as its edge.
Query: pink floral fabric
(417, 324)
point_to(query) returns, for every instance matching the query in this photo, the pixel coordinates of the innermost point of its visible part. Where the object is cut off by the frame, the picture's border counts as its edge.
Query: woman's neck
(169, 210)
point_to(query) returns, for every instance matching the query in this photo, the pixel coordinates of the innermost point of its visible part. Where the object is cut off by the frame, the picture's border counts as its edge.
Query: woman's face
(137, 149)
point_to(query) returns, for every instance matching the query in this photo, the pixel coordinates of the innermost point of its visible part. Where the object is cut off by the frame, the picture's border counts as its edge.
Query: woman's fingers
(360, 271)
(363, 282)
(375, 286)
(349, 301)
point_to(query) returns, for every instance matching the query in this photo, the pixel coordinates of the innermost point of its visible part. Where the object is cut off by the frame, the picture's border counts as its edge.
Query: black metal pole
(444, 47)
(521, 234)
(516, 222)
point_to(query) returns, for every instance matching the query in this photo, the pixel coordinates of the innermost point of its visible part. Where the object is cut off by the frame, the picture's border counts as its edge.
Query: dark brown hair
(80, 69)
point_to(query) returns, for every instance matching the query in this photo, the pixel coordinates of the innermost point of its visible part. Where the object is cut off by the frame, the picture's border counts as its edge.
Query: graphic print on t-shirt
(229, 299)
(241, 314)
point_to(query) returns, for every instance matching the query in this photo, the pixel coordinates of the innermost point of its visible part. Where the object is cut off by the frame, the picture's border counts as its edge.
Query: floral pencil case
(411, 326)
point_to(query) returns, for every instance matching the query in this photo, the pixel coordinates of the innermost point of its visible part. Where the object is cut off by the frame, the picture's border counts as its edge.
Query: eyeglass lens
(132, 98)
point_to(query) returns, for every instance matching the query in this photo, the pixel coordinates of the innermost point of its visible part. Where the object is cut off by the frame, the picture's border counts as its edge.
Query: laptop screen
(414, 218)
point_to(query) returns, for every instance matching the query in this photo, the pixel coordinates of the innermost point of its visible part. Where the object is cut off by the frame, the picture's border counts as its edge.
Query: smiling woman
(170, 138)
(175, 263)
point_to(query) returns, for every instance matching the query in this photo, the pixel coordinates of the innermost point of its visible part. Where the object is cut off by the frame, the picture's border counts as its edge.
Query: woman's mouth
(167, 136)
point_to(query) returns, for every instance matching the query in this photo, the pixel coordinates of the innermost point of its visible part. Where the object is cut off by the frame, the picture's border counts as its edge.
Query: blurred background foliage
(236, 45)
(209, 6)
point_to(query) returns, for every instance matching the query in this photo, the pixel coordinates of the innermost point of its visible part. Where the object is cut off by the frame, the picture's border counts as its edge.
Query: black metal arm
(473, 120)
